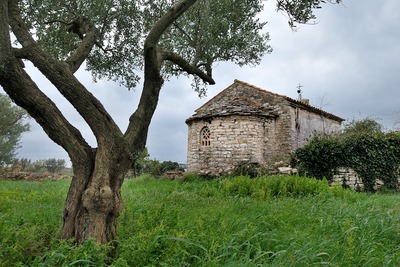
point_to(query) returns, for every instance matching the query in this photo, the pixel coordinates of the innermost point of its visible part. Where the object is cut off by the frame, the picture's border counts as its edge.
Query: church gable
(238, 99)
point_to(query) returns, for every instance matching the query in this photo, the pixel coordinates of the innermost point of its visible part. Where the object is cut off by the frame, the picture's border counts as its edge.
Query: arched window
(205, 137)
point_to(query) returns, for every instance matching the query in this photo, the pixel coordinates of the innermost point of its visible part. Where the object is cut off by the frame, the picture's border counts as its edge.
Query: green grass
(284, 221)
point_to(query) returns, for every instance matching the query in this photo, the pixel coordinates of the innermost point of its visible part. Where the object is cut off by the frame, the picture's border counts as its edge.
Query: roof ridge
(290, 99)
(263, 91)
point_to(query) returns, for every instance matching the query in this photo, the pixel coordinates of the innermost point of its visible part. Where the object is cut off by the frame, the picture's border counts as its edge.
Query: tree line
(52, 165)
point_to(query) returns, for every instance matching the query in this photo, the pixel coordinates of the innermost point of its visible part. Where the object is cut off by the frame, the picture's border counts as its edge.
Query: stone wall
(305, 124)
(347, 177)
(233, 139)
(283, 133)
(258, 139)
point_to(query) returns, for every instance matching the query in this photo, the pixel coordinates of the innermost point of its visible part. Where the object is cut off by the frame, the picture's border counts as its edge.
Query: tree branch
(89, 35)
(60, 75)
(25, 93)
(5, 44)
(166, 20)
(183, 32)
(46, 113)
(188, 68)
(140, 120)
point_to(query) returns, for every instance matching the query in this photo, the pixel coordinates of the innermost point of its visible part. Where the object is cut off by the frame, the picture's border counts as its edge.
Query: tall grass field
(269, 221)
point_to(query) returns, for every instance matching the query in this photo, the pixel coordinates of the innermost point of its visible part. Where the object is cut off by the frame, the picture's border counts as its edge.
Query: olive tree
(54, 165)
(118, 40)
(12, 125)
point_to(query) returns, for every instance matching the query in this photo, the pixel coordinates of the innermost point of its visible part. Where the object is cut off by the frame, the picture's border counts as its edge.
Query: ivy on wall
(372, 155)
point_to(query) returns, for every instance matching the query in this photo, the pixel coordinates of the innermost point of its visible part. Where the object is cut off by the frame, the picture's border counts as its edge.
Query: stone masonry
(246, 123)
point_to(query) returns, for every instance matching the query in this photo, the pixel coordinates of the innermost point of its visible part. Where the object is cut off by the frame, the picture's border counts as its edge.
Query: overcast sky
(348, 64)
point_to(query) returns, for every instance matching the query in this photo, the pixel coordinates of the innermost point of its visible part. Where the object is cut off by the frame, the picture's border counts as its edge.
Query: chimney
(305, 101)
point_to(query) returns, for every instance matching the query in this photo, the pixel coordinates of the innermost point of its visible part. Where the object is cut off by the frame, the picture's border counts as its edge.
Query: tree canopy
(12, 125)
(209, 32)
(366, 125)
(205, 34)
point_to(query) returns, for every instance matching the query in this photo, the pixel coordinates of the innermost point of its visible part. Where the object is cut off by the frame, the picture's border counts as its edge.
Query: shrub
(320, 157)
(142, 164)
(246, 168)
(372, 155)
(169, 166)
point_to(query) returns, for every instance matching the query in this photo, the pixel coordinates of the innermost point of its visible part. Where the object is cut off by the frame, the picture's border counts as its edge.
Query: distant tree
(37, 166)
(142, 164)
(117, 40)
(51, 165)
(169, 166)
(21, 164)
(12, 125)
(139, 160)
(54, 165)
(24, 163)
(366, 125)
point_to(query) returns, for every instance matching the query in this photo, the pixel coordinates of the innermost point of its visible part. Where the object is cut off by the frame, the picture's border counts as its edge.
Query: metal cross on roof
(299, 91)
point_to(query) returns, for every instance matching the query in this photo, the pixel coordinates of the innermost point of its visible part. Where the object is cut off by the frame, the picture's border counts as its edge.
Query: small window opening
(205, 137)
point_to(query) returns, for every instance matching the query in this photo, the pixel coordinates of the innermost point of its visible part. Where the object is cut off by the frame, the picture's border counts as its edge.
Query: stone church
(244, 123)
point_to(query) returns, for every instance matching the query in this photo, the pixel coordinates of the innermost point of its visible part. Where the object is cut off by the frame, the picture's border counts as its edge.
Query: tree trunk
(94, 200)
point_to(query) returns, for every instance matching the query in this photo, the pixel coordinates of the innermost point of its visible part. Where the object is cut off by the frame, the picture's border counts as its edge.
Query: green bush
(320, 157)
(246, 168)
(372, 155)
(169, 166)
